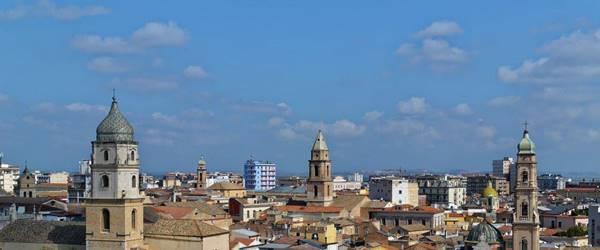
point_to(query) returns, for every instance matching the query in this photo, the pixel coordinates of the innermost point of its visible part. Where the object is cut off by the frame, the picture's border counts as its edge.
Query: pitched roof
(225, 186)
(320, 143)
(173, 212)
(348, 202)
(193, 228)
(202, 207)
(308, 209)
(32, 231)
(413, 227)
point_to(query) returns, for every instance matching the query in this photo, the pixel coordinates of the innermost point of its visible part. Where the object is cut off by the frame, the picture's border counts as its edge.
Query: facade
(476, 184)
(445, 190)
(395, 190)
(594, 225)
(80, 186)
(551, 182)
(291, 181)
(526, 234)
(358, 177)
(339, 184)
(229, 190)
(216, 177)
(319, 187)
(245, 209)
(114, 213)
(501, 168)
(259, 175)
(201, 174)
(395, 216)
(9, 176)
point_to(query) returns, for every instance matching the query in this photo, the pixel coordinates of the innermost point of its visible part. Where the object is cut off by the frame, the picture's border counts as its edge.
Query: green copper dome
(526, 146)
(485, 232)
(115, 127)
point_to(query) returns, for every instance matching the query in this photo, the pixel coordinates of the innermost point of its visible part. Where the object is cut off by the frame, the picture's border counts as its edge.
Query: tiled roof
(288, 189)
(192, 228)
(308, 209)
(348, 201)
(173, 212)
(413, 227)
(54, 232)
(202, 207)
(225, 186)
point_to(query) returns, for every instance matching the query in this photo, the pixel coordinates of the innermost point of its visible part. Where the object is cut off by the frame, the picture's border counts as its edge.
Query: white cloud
(504, 101)
(146, 84)
(276, 122)
(171, 119)
(264, 107)
(414, 105)
(98, 44)
(571, 58)
(159, 137)
(436, 52)
(153, 34)
(159, 34)
(82, 107)
(372, 115)
(46, 8)
(486, 132)
(440, 28)
(463, 109)
(346, 128)
(105, 64)
(194, 72)
(287, 134)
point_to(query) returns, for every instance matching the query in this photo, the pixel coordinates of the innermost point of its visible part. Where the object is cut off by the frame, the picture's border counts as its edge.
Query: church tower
(526, 234)
(319, 187)
(201, 174)
(114, 212)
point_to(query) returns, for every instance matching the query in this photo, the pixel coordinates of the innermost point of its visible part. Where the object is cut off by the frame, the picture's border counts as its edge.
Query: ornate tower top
(320, 143)
(115, 127)
(202, 162)
(526, 146)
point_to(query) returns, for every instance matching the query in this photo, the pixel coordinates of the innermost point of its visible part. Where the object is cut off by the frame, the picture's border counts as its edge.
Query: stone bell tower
(526, 226)
(201, 174)
(319, 186)
(114, 212)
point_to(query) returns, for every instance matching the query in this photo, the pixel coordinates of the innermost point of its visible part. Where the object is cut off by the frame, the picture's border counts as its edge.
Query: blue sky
(422, 85)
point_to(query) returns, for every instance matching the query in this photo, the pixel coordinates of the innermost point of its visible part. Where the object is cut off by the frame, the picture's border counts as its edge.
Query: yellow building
(229, 190)
(322, 232)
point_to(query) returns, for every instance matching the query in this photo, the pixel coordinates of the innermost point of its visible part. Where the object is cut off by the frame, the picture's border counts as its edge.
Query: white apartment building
(340, 183)
(396, 190)
(445, 190)
(9, 175)
(358, 177)
(501, 168)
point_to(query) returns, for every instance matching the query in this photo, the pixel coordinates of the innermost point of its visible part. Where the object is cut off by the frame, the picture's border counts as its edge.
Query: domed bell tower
(114, 213)
(201, 174)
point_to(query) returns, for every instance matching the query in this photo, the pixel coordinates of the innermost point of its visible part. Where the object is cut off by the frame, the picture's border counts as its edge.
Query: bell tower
(201, 174)
(319, 187)
(114, 212)
(526, 229)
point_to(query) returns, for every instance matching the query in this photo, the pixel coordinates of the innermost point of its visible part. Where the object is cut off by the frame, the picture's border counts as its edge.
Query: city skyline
(389, 88)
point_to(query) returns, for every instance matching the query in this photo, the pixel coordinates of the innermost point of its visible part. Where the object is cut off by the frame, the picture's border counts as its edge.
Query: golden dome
(489, 191)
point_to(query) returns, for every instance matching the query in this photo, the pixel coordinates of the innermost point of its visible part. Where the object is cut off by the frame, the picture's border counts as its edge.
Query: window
(133, 181)
(524, 244)
(560, 224)
(524, 176)
(328, 189)
(105, 220)
(133, 218)
(106, 155)
(24, 194)
(105, 181)
(317, 171)
(316, 190)
(30, 194)
(525, 209)
(132, 155)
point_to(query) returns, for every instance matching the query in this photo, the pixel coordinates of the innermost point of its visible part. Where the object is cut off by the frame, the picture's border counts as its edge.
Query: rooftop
(54, 232)
(192, 228)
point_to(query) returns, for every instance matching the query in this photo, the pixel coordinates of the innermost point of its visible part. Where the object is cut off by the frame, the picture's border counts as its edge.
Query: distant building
(356, 177)
(476, 184)
(27, 187)
(395, 190)
(291, 181)
(399, 215)
(501, 168)
(9, 176)
(217, 177)
(339, 183)
(259, 175)
(319, 190)
(245, 209)
(551, 182)
(443, 189)
(80, 186)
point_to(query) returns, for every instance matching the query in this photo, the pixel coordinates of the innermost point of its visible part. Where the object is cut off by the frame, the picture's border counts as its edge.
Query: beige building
(9, 177)
(201, 174)
(526, 224)
(229, 190)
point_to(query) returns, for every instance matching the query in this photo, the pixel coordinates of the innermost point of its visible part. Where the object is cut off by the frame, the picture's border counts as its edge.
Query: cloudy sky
(433, 86)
